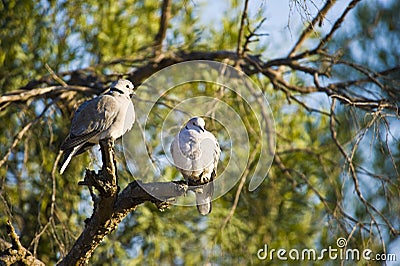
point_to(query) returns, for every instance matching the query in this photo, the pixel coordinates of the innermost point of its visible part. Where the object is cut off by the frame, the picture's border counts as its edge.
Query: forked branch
(110, 207)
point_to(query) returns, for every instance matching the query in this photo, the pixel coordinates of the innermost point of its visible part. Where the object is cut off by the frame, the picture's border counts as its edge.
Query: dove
(196, 153)
(109, 115)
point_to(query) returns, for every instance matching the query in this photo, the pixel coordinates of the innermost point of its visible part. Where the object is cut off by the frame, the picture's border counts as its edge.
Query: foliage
(337, 159)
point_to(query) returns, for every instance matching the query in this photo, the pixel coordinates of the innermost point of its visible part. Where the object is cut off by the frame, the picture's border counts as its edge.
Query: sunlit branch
(110, 206)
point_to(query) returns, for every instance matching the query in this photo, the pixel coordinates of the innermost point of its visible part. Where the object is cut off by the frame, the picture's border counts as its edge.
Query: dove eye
(127, 86)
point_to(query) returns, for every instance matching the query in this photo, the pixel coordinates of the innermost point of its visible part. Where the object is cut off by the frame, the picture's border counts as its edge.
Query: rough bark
(14, 252)
(110, 206)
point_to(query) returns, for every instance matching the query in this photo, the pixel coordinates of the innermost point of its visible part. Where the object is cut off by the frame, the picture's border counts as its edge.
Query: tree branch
(16, 253)
(310, 28)
(23, 95)
(337, 24)
(110, 207)
(239, 49)
(250, 64)
(165, 15)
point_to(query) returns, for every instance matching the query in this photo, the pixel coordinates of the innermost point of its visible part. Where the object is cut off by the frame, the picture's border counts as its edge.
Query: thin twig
(55, 77)
(21, 134)
(240, 187)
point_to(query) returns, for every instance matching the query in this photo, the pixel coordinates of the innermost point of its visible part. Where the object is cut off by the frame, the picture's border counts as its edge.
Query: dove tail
(67, 158)
(205, 208)
(203, 199)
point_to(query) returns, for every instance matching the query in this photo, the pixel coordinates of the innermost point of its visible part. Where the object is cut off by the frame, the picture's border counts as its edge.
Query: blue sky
(284, 19)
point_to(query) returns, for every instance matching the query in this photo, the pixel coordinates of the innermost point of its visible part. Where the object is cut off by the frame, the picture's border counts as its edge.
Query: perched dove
(196, 153)
(110, 115)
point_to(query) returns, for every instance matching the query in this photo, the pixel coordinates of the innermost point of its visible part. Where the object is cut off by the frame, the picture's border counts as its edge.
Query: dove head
(123, 86)
(196, 123)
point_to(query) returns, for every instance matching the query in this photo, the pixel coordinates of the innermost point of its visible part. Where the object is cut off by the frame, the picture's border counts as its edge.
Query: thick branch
(110, 207)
